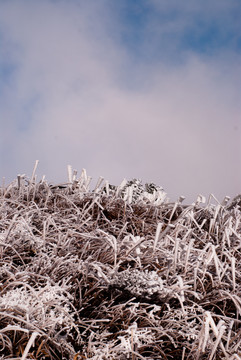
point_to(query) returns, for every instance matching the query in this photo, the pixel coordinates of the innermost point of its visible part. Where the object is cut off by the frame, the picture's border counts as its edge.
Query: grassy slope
(98, 275)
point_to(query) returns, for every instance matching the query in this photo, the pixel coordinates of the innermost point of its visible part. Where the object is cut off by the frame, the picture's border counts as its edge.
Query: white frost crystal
(47, 307)
(140, 283)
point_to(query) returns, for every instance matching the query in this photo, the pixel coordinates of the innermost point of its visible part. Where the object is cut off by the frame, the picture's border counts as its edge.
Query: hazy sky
(123, 88)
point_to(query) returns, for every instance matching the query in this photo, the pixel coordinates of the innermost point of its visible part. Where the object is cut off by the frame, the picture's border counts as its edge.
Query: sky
(146, 89)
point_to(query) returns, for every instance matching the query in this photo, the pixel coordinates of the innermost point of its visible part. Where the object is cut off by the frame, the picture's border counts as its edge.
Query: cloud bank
(81, 86)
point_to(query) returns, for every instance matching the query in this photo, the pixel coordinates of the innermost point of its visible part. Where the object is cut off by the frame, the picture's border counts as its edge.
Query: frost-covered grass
(118, 272)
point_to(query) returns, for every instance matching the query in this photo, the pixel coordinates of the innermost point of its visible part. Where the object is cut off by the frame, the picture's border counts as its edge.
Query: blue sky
(145, 89)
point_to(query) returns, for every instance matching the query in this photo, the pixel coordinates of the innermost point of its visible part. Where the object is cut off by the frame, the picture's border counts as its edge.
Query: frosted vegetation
(118, 272)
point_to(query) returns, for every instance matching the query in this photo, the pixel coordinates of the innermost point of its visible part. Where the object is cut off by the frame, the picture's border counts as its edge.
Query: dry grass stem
(117, 272)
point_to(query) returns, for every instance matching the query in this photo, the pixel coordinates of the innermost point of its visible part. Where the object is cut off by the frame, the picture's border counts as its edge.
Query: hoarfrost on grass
(48, 307)
(117, 273)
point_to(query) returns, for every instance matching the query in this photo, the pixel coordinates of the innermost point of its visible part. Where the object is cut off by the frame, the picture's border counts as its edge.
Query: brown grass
(103, 274)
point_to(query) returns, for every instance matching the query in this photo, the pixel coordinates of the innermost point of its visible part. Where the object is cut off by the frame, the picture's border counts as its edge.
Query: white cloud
(76, 99)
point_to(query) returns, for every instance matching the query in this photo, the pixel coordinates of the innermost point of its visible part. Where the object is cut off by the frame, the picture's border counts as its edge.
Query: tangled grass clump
(118, 272)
